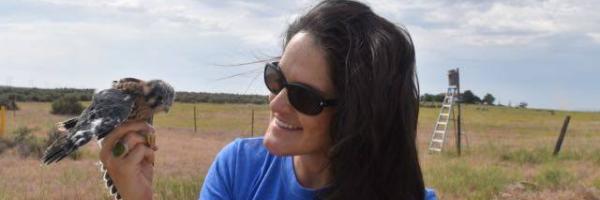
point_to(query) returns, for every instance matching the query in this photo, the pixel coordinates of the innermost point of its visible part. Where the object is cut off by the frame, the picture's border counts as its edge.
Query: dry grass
(511, 146)
(181, 162)
(508, 155)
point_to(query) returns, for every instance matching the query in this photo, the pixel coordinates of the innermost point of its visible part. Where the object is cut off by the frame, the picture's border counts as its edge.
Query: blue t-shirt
(244, 169)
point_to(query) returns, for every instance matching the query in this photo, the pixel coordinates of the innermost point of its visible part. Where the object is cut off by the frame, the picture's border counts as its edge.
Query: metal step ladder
(438, 137)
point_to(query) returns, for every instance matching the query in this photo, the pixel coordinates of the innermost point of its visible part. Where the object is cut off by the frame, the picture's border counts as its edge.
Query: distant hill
(48, 95)
(43, 95)
(195, 97)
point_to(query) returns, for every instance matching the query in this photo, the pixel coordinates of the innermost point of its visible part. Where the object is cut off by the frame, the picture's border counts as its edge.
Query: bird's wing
(108, 110)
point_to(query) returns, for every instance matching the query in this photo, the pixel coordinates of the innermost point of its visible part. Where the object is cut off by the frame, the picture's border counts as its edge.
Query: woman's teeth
(284, 125)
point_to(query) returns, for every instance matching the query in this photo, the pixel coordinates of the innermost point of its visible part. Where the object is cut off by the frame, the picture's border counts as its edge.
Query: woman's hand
(132, 171)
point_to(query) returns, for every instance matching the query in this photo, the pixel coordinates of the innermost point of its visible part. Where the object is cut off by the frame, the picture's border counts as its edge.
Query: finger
(147, 171)
(149, 156)
(140, 153)
(124, 128)
(109, 141)
(151, 140)
(119, 132)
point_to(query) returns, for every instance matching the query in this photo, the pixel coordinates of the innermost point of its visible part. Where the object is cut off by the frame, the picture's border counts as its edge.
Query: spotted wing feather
(109, 108)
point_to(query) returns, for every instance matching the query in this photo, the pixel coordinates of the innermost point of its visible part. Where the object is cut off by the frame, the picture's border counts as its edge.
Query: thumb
(138, 153)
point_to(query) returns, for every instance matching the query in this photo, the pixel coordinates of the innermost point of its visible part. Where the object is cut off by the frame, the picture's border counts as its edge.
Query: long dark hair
(373, 153)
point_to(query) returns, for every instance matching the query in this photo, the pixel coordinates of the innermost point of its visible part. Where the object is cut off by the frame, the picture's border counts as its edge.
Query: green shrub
(8, 102)
(68, 105)
(26, 143)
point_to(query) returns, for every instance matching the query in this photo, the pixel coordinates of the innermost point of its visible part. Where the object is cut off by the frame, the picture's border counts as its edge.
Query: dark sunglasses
(303, 97)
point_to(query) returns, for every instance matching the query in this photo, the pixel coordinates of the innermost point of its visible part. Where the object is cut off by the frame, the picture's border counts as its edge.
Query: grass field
(508, 154)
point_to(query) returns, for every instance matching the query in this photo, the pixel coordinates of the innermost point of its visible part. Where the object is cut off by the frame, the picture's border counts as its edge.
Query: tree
(489, 99)
(68, 105)
(523, 105)
(470, 98)
(8, 101)
(433, 98)
(439, 97)
(427, 97)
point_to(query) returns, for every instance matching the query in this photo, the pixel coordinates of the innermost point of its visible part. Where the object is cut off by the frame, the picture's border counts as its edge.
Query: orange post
(2, 120)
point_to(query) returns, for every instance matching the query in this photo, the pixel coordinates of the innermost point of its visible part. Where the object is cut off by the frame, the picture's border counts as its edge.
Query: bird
(128, 99)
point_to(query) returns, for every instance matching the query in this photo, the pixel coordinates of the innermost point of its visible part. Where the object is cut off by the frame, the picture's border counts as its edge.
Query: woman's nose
(279, 102)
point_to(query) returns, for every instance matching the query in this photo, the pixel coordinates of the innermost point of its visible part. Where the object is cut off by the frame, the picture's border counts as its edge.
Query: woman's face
(291, 132)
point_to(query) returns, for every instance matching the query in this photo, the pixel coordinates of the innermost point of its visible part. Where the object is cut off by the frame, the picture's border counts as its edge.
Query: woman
(344, 108)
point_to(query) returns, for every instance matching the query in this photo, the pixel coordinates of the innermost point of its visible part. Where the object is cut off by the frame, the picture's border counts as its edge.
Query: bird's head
(159, 95)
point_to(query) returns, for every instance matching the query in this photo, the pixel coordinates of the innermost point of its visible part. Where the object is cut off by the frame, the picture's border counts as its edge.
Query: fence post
(252, 126)
(2, 121)
(13, 104)
(195, 121)
(561, 137)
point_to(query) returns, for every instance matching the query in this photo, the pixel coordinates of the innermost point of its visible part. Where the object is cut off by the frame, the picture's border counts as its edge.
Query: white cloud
(120, 37)
(478, 23)
(254, 22)
(495, 23)
(595, 37)
(48, 42)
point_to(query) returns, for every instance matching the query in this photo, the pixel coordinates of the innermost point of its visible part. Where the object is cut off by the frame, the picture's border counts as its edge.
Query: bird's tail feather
(68, 124)
(58, 150)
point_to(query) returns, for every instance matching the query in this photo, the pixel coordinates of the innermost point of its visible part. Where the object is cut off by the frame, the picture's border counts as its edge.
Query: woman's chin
(273, 144)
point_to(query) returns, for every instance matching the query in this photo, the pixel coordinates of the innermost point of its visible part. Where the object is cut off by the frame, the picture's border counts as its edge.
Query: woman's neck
(312, 170)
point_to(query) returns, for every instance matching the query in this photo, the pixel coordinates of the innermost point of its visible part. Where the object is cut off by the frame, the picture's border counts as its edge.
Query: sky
(543, 52)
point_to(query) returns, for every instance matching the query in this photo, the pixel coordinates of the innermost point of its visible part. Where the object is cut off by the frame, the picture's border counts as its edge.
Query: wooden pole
(2, 120)
(195, 121)
(561, 137)
(458, 136)
(252, 126)
(14, 105)
(459, 133)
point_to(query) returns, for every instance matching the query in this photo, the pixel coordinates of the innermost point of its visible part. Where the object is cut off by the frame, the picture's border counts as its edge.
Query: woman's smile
(285, 126)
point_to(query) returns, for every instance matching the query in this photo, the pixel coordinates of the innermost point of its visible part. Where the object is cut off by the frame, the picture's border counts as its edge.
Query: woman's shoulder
(245, 151)
(430, 194)
(235, 168)
(250, 146)
(253, 143)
